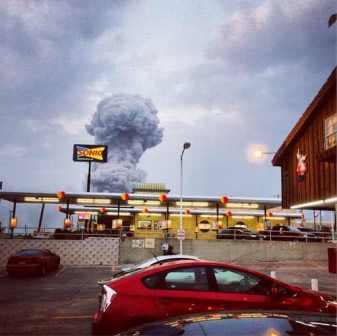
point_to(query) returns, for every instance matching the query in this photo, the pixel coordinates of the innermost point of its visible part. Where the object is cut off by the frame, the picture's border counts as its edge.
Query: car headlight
(107, 296)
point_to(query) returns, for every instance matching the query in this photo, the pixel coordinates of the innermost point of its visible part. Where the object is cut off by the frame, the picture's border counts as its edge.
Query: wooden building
(308, 155)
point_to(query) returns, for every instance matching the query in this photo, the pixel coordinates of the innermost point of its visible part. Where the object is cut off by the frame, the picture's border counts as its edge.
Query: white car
(129, 268)
(126, 269)
(157, 260)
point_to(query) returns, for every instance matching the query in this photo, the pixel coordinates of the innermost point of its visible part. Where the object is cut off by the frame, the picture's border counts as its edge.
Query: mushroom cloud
(128, 125)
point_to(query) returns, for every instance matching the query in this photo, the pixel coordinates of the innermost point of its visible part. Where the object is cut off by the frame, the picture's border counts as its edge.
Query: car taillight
(107, 296)
(13, 260)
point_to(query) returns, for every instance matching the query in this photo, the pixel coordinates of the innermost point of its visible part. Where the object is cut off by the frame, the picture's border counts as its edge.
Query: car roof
(149, 262)
(239, 322)
(175, 256)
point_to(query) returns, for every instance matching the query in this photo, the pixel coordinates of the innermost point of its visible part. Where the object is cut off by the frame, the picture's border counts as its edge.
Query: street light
(186, 146)
(256, 153)
(259, 154)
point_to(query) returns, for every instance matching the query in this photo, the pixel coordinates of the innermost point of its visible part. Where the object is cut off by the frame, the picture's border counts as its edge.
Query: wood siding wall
(320, 178)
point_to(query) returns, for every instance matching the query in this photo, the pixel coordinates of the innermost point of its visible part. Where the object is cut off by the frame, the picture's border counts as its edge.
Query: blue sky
(222, 74)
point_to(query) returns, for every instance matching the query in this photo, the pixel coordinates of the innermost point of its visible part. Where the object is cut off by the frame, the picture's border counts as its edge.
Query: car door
(235, 289)
(182, 291)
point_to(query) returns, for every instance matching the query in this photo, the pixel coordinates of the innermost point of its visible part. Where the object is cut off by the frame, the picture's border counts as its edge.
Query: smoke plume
(128, 125)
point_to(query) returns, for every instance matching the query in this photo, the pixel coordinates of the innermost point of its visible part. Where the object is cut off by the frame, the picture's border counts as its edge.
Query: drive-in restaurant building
(151, 212)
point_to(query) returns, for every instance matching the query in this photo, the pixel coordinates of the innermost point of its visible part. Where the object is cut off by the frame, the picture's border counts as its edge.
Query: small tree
(332, 19)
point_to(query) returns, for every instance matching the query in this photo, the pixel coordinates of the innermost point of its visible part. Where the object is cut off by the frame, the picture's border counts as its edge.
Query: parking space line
(70, 317)
(61, 270)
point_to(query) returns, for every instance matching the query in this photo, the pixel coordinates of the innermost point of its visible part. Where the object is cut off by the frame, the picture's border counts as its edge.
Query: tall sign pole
(89, 176)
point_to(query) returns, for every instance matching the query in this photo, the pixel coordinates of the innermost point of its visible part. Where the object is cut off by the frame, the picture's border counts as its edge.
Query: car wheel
(43, 270)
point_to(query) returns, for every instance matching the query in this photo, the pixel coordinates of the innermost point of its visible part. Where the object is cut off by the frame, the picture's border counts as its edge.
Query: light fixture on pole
(180, 236)
(256, 153)
(259, 154)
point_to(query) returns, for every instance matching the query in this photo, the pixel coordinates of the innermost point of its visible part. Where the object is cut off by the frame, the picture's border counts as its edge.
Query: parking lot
(62, 303)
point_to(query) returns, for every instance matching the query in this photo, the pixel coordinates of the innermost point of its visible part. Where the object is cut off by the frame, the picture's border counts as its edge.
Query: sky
(222, 74)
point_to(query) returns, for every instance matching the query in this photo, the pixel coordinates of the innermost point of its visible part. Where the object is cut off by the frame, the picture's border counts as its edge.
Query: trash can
(332, 259)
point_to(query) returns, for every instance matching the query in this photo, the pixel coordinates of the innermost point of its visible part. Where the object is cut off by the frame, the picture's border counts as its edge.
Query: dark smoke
(129, 125)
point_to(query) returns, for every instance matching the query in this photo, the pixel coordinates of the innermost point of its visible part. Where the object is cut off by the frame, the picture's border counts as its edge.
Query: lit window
(330, 132)
(144, 225)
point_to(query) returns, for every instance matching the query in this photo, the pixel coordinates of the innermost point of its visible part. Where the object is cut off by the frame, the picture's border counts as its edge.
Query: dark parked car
(288, 233)
(32, 261)
(322, 235)
(196, 286)
(257, 323)
(238, 233)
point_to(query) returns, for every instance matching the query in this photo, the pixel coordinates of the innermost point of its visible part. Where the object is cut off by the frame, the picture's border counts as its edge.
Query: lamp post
(257, 156)
(332, 21)
(186, 146)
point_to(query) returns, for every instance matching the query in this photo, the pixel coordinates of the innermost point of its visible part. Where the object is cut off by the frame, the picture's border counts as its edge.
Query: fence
(91, 251)
(308, 236)
(240, 251)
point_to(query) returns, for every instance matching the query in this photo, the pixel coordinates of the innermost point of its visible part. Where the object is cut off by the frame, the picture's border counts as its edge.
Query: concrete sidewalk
(299, 273)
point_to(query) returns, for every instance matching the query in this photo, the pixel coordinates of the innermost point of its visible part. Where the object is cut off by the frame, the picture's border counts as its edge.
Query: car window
(234, 281)
(30, 253)
(192, 278)
(292, 229)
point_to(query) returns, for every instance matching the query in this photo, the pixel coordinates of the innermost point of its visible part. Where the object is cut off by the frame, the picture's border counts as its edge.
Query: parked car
(254, 322)
(238, 233)
(42, 235)
(32, 261)
(184, 287)
(288, 233)
(153, 261)
(321, 235)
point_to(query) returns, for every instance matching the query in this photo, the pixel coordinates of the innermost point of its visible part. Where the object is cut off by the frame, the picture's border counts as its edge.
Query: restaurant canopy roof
(277, 213)
(115, 199)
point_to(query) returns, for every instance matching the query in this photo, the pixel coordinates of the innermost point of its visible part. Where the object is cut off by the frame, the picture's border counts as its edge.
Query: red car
(193, 287)
(32, 261)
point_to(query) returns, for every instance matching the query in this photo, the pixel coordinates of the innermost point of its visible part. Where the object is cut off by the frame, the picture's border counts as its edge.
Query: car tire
(43, 270)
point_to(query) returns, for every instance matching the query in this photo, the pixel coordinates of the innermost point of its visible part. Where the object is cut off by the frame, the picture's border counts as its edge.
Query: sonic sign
(90, 153)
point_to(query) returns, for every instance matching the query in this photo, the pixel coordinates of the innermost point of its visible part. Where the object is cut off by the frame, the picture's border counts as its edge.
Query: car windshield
(292, 229)
(29, 253)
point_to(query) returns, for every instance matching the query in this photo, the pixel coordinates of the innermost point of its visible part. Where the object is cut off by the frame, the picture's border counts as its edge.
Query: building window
(144, 225)
(330, 132)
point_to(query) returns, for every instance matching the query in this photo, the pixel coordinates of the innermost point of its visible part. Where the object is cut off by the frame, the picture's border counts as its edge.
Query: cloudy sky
(222, 74)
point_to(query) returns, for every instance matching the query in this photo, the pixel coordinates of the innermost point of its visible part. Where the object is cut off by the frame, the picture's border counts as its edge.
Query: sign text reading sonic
(94, 153)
